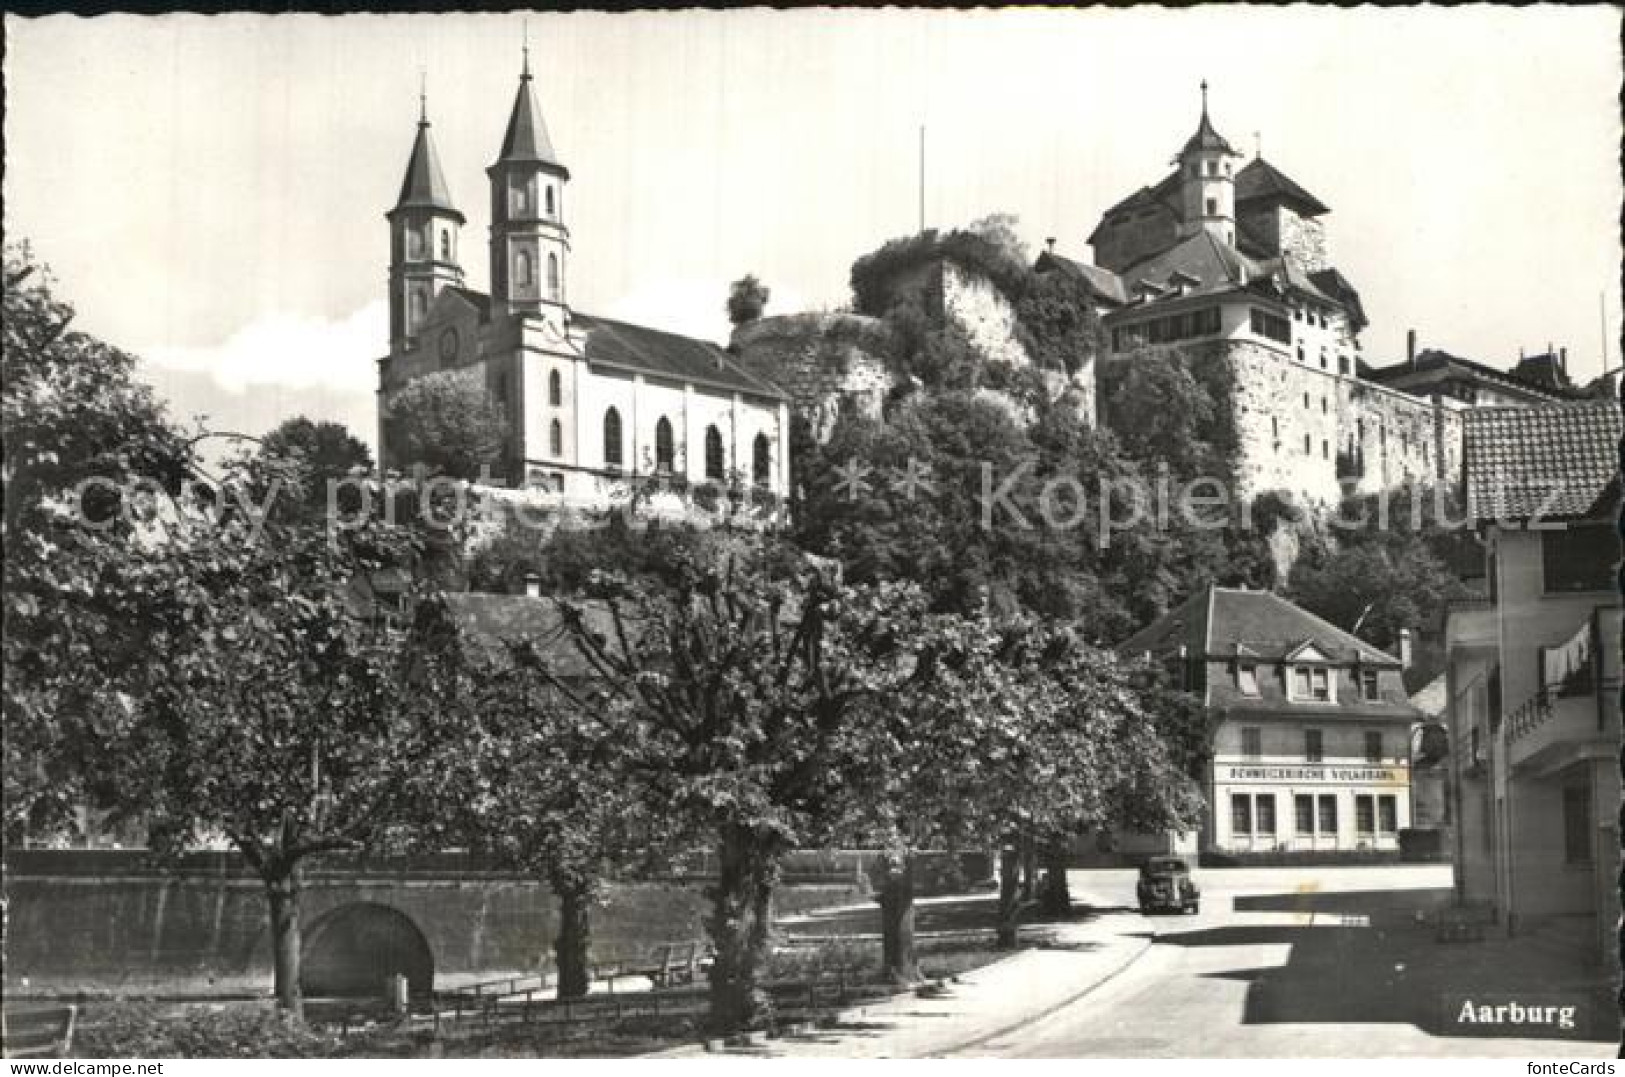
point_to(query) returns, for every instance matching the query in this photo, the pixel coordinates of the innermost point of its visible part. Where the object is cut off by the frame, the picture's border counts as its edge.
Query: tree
(748, 686)
(446, 422)
(747, 298)
(271, 707)
(329, 454)
(79, 434)
(546, 781)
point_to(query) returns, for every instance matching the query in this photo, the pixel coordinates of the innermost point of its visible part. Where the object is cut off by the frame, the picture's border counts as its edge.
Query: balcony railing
(1534, 713)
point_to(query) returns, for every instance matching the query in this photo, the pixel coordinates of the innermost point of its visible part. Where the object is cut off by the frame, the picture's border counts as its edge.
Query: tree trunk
(739, 924)
(282, 890)
(573, 945)
(900, 963)
(1009, 893)
(1055, 898)
(1029, 870)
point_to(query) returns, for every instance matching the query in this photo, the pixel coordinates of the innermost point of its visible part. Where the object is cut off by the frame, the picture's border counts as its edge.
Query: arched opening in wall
(555, 439)
(761, 461)
(714, 462)
(665, 451)
(521, 271)
(553, 277)
(555, 389)
(612, 438)
(550, 200)
(352, 950)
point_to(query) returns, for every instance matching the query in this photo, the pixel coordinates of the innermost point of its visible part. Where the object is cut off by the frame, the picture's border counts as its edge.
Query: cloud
(289, 351)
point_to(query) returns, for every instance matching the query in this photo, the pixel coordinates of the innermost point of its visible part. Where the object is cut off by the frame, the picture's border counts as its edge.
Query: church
(594, 405)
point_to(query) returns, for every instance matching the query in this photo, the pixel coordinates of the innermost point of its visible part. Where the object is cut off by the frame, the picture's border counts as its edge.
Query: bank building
(592, 403)
(1311, 732)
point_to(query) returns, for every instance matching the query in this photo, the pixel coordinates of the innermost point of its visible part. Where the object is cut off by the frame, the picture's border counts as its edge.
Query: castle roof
(1260, 181)
(1200, 258)
(526, 140)
(1549, 369)
(1102, 283)
(1552, 462)
(1434, 365)
(1206, 139)
(424, 185)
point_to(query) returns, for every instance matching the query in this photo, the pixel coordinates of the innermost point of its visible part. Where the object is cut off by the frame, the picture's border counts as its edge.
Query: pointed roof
(1261, 181)
(424, 186)
(526, 139)
(1206, 138)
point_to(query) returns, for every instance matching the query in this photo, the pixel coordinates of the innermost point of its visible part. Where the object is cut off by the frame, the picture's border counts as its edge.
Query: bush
(149, 1030)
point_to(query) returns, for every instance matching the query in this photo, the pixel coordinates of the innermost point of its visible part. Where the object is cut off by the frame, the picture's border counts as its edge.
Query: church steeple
(423, 230)
(530, 242)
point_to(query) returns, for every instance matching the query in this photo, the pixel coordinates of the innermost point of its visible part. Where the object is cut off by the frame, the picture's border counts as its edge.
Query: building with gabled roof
(1311, 725)
(595, 404)
(1534, 675)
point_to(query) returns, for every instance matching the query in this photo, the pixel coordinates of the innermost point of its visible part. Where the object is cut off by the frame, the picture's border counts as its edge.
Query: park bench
(670, 964)
(39, 1032)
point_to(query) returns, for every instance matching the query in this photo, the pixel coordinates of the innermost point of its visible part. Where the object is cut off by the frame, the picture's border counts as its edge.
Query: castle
(593, 404)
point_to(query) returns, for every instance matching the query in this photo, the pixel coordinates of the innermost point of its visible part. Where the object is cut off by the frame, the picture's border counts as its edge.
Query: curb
(1055, 1007)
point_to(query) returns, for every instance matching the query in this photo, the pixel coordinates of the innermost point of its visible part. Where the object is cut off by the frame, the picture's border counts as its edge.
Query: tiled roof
(1221, 622)
(1201, 257)
(1165, 194)
(1550, 462)
(424, 185)
(1261, 181)
(1433, 359)
(667, 355)
(526, 138)
(1334, 284)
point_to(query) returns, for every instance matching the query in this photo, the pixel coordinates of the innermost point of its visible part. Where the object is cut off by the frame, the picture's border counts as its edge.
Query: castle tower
(530, 245)
(423, 239)
(1207, 185)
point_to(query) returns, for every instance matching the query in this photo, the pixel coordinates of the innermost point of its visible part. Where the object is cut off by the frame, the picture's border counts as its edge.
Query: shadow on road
(1365, 958)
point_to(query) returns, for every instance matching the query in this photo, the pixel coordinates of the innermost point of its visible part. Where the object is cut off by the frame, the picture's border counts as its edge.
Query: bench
(39, 1032)
(670, 965)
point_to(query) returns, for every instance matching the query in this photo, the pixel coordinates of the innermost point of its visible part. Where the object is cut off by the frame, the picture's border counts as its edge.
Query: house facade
(1534, 675)
(1312, 727)
(593, 404)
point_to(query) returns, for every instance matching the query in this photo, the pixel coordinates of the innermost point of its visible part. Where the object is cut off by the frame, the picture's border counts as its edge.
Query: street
(1308, 961)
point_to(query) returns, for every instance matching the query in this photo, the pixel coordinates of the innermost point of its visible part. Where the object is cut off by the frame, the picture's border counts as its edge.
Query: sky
(209, 191)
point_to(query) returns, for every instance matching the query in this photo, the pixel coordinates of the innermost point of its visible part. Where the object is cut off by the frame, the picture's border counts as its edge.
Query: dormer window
(1368, 685)
(1311, 684)
(1247, 678)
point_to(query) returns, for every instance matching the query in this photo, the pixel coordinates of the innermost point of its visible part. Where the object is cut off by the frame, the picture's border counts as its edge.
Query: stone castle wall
(982, 312)
(1318, 434)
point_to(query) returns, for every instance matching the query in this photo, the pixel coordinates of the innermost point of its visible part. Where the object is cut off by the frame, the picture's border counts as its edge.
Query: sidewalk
(984, 1003)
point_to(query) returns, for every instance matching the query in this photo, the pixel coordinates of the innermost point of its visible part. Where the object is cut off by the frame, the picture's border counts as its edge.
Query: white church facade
(593, 404)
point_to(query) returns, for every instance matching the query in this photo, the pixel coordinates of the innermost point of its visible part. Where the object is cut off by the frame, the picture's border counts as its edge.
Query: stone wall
(1317, 433)
(983, 313)
(827, 362)
(1282, 231)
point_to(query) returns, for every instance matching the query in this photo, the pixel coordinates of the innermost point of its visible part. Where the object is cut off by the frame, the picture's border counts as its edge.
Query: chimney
(1404, 648)
(1049, 244)
(1563, 360)
(1410, 346)
(533, 585)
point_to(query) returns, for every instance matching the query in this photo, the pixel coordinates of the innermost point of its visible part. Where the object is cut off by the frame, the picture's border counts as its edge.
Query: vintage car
(1166, 885)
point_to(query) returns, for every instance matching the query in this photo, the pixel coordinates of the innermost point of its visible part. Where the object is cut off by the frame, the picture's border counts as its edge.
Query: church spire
(424, 185)
(526, 138)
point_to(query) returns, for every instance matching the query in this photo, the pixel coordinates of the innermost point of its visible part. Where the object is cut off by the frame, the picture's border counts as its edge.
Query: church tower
(1207, 186)
(530, 245)
(423, 235)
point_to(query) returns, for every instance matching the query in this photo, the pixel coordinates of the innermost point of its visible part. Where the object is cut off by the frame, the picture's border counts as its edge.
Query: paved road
(1285, 962)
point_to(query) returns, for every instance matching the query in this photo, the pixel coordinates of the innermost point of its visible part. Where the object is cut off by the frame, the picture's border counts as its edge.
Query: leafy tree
(747, 298)
(72, 413)
(447, 422)
(271, 709)
(328, 452)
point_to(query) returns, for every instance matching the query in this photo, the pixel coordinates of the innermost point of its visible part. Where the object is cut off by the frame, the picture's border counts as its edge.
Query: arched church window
(522, 268)
(714, 461)
(553, 276)
(445, 244)
(555, 438)
(550, 200)
(665, 453)
(521, 199)
(555, 389)
(612, 438)
(761, 461)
